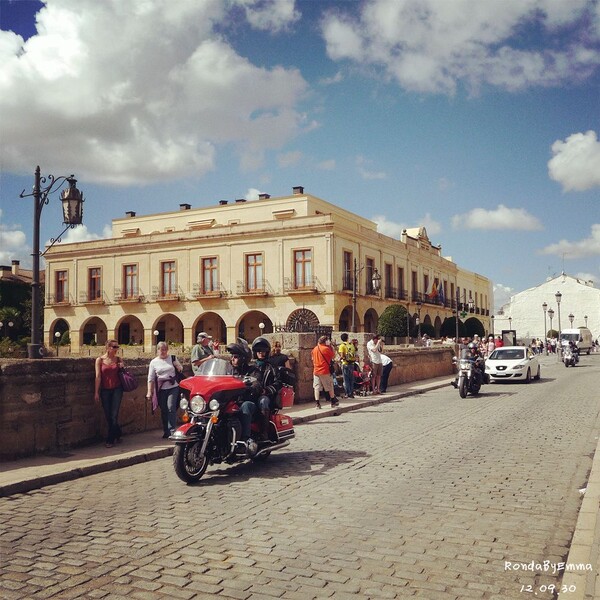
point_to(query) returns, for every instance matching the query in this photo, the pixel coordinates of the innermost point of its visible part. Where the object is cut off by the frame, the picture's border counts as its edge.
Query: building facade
(242, 267)
(525, 313)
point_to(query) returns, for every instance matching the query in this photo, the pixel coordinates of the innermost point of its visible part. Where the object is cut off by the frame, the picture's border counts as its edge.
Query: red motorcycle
(211, 431)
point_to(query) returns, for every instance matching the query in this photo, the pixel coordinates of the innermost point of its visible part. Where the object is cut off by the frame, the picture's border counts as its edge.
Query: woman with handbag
(163, 386)
(109, 391)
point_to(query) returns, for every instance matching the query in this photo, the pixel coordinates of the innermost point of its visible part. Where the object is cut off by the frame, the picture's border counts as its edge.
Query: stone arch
(213, 324)
(345, 319)
(248, 325)
(129, 331)
(94, 332)
(59, 325)
(302, 320)
(437, 326)
(371, 320)
(170, 329)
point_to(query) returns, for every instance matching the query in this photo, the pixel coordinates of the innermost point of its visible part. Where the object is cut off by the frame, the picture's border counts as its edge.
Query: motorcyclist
(271, 382)
(575, 350)
(474, 354)
(240, 360)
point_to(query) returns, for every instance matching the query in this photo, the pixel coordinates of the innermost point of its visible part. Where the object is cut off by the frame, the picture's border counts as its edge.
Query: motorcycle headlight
(183, 403)
(213, 404)
(197, 404)
(465, 364)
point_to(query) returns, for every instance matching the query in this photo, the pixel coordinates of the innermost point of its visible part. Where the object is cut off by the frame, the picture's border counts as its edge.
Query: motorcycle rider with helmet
(240, 360)
(271, 382)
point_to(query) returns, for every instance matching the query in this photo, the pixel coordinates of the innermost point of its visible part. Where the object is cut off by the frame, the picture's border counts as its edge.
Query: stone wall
(48, 405)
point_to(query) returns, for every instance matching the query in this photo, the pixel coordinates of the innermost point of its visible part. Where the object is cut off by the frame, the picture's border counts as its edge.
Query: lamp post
(510, 323)
(419, 305)
(493, 332)
(261, 326)
(72, 205)
(156, 334)
(545, 309)
(57, 341)
(558, 297)
(585, 319)
(571, 319)
(375, 283)
(551, 315)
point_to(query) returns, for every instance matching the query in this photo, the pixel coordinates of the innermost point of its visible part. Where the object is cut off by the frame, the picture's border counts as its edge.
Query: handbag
(331, 363)
(128, 381)
(179, 376)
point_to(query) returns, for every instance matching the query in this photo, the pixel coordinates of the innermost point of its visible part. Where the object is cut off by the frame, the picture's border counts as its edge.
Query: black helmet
(261, 344)
(241, 349)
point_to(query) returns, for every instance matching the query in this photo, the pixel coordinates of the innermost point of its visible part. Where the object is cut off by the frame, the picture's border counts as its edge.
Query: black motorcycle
(471, 374)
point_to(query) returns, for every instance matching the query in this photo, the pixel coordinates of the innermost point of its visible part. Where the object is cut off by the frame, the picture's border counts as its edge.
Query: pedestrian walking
(374, 348)
(347, 353)
(108, 390)
(322, 358)
(163, 389)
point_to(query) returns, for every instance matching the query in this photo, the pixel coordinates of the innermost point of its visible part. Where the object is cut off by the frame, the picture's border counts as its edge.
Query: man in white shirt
(387, 364)
(374, 348)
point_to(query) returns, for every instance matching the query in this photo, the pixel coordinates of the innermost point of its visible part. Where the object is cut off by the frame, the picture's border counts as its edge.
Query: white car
(512, 363)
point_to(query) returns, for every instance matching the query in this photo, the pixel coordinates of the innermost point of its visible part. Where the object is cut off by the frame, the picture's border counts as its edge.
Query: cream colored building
(226, 269)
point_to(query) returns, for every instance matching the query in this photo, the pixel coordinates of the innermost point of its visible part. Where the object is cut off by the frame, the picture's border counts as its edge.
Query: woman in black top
(277, 358)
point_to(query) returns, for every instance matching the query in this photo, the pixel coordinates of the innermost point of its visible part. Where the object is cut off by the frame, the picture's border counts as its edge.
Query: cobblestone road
(425, 497)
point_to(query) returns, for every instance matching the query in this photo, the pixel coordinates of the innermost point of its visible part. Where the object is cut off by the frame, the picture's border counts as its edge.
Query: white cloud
(289, 159)
(502, 217)
(433, 45)
(586, 277)
(362, 165)
(502, 294)
(576, 162)
(82, 234)
(387, 227)
(137, 92)
(252, 194)
(13, 244)
(327, 165)
(589, 246)
(337, 78)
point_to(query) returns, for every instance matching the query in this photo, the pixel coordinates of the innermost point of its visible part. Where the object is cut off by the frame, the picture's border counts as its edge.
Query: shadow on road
(281, 466)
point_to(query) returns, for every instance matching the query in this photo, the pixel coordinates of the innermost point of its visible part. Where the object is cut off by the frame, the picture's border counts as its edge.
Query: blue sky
(476, 118)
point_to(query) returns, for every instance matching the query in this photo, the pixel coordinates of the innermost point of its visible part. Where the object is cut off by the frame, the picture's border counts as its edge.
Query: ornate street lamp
(493, 332)
(510, 323)
(571, 318)
(57, 341)
(419, 305)
(375, 286)
(551, 316)
(72, 205)
(376, 281)
(558, 297)
(545, 309)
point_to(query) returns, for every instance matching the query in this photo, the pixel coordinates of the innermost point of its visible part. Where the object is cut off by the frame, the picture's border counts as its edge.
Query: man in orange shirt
(322, 355)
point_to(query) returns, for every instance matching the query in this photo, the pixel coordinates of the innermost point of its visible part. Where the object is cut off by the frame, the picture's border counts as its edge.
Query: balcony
(131, 296)
(159, 295)
(395, 293)
(201, 293)
(260, 289)
(92, 297)
(59, 300)
(311, 286)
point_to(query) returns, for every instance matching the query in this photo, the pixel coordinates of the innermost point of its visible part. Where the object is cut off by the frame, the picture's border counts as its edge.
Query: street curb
(34, 483)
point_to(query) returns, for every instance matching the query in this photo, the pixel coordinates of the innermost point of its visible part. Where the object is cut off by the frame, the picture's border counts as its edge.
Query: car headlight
(213, 404)
(197, 404)
(519, 366)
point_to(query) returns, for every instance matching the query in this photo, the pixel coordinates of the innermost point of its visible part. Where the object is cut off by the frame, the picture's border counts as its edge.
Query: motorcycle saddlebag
(284, 425)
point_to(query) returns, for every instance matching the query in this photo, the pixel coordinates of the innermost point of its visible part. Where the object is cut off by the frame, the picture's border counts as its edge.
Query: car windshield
(570, 337)
(216, 366)
(508, 354)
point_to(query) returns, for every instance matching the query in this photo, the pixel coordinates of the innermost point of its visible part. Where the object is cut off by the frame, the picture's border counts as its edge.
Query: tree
(392, 322)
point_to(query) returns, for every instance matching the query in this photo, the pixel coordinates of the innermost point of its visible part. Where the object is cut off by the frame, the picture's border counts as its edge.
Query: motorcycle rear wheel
(187, 465)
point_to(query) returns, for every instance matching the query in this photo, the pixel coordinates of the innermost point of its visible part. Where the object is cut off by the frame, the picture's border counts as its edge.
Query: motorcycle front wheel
(188, 465)
(462, 387)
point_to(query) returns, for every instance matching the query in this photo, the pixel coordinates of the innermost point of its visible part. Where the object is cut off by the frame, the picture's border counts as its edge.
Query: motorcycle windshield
(215, 367)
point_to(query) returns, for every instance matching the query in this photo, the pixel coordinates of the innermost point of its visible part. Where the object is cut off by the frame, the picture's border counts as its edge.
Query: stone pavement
(28, 474)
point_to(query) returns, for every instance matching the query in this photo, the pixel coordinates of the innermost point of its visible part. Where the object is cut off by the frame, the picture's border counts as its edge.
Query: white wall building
(524, 312)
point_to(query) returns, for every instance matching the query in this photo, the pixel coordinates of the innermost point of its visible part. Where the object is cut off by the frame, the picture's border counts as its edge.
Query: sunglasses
(114, 347)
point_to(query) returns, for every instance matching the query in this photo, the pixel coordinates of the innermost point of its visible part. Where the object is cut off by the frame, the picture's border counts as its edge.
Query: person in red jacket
(322, 356)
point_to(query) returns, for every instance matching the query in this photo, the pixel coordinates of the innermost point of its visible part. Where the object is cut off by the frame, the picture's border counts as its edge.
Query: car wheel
(539, 374)
(528, 376)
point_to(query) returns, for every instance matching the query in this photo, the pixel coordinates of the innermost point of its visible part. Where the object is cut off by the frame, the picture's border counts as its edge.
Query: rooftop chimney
(264, 196)
(185, 206)
(130, 214)
(223, 202)
(298, 190)
(240, 200)
(15, 267)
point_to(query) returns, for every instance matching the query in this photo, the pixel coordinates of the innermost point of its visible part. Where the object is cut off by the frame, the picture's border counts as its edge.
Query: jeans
(384, 377)
(348, 373)
(247, 412)
(111, 403)
(167, 401)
